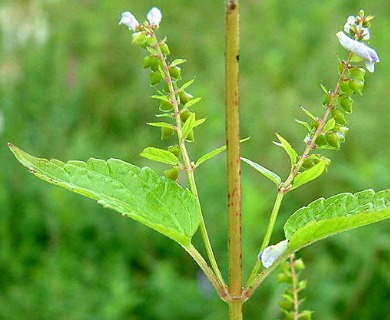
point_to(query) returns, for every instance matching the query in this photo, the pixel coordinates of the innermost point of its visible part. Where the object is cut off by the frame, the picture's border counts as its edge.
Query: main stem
(233, 159)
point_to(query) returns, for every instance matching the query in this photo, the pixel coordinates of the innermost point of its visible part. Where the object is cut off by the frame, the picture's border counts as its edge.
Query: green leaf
(264, 171)
(305, 124)
(288, 148)
(188, 125)
(160, 97)
(326, 91)
(191, 103)
(161, 125)
(213, 153)
(330, 124)
(160, 155)
(177, 62)
(311, 173)
(309, 114)
(199, 122)
(209, 155)
(325, 217)
(186, 85)
(138, 193)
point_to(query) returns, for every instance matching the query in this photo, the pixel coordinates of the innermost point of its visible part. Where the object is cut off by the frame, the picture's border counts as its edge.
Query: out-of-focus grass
(72, 86)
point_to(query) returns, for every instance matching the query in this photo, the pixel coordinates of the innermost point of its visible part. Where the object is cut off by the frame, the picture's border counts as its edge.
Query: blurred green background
(72, 87)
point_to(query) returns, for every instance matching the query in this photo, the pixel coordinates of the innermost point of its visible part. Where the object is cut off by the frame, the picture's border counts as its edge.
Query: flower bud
(306, 315)
(358, 73)
(175, 150)
(164, 49)
(357, 86)
(139, 37)
(184, 97)
(299, 265)
(185, 115)
(166, 133)
(339, 116)
(314, 124)
(345, 88)
(175, 72)
(166, 86)
(165, 106)
(321, 140)
(190, 137)
(326, 100)
(346, 104)
(172, 173)
(309, 162)
(285, 304)
(151, 62)
(332, 140)
(155, 78)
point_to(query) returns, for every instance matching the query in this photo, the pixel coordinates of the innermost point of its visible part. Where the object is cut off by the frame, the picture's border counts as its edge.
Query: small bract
(271, 253)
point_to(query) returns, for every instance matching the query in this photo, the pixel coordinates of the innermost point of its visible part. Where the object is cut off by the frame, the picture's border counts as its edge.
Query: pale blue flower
(154, 16)
(129, 20)
(360, 49)
(271, 253)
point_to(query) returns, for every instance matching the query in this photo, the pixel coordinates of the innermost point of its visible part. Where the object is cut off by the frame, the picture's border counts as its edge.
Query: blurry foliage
(71, 87)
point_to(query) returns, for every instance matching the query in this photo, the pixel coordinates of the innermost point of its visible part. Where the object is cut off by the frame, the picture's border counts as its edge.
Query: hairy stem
(233, 158)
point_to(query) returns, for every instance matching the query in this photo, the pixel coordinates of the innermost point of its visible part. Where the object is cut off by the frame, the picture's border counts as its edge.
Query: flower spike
(129, 20)
(360, 49)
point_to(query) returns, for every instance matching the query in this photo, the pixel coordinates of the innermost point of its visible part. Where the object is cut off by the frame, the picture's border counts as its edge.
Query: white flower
(352, 21)
(129, 20)
(360, 49)
(271, 253)
(154, 16)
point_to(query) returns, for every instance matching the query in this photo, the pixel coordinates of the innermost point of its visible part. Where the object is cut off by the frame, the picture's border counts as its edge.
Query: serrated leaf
(177, 62)
(264, 171)
(160, 155)
(288, 148)
(138, 193)
(311, 173)
(325, 217)
(161, 125)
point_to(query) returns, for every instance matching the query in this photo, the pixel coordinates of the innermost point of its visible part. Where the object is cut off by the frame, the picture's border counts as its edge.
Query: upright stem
(233, 159)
